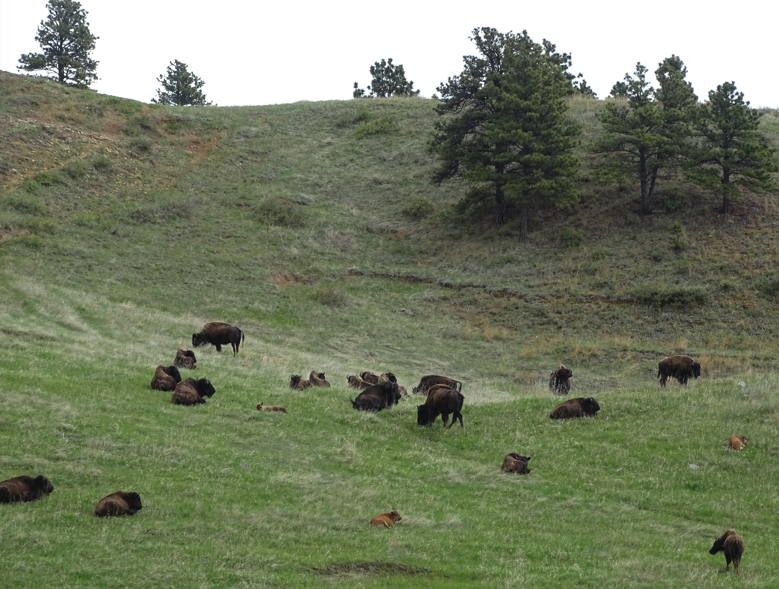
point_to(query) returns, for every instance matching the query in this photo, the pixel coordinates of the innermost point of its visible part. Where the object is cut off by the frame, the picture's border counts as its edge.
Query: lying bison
(433, 379)
(737, 442)
(218, 334)
(441, 400)
(24, 488)
(732, 545)
(261, 407)
(578, 407)
(317, 379)
(378, 396)
(296, 382)
(192, 392)
(119, 503)
(165, 378)
(386, 519)
(560, 380)
(680, 367)
(513, 462)
(369, 377)
(185, 359)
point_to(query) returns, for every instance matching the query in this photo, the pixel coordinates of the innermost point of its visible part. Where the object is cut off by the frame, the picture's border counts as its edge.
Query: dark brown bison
(356, 382)
(119, 503)
(165, 378)
(317, 379)
(737, 442)
(369, 377)
(261, 407)
(192, 392)
(443, 401)
(24, 488)
(386, 519)
(513, 462)
(578, 407)
(732, 545)
(378, 396)
(559, 380)
(433, 379)
(218, 334)
(680, 367)
(185, 359)
(296, 382)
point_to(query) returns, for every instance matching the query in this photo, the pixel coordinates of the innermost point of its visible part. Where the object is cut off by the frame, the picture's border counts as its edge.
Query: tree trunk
(726, 186)
(500, 198)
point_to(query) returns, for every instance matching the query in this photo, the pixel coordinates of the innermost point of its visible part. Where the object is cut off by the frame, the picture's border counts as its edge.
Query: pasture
(313, 227)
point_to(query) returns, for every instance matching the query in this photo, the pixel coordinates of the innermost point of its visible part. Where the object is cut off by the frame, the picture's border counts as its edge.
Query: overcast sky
(254, 52)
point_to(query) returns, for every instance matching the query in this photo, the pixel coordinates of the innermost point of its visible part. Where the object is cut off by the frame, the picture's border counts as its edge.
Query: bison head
(198, 339)
(696, 369)
(134, 501)
(174, 373)
(564, 372)
(42, 483)
(204, 387)
(590, 406)
(719, 543)
(423, 415)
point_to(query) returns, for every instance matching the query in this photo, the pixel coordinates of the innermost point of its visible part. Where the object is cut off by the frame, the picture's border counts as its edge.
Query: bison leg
(218, 347)
(663, 380)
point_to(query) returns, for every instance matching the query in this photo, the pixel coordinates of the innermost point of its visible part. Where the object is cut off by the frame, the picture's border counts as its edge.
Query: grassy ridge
(124, 227)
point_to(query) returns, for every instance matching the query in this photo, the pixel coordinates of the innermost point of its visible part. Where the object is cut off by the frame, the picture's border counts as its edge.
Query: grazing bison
(191, 391)
(680, 367)
(441, 400)
(165, 378)
(433, 379)
(513, 462)
(317, 379)
(218, 334)
(578, 407)
(737, 442)
(732, 545)
(386, 519)
(296, 382)
(559, 380)
(261, 407)
(378, 396)
(24, 488)
(185, 359)
(119, 503)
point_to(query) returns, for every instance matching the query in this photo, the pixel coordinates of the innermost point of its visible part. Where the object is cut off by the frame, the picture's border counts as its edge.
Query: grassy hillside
(314, 227)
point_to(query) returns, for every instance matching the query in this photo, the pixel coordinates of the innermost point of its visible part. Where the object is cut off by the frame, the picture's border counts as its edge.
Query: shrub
(377, 126)
(679, 240)
(329, 297)
(571, 237)
(279, 211)
(75, 170)
(770, 285)
(29, 205)
(418, 208)
(664, 296)
(102, 163)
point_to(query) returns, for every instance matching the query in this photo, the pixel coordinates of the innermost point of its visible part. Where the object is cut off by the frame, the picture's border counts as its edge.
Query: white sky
(254, 52)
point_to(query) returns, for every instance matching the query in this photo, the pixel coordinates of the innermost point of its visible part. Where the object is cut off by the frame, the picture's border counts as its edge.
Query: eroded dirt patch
(375, 568)
(289, 279)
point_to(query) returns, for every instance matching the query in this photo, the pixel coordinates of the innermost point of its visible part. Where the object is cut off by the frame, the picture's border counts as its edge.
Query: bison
(732, 545)
(680, 367)
(119, 503)
(192, 392)
(317, 379)
(386, 519)
(185, 359)
(443, 401)
(378, 396)
(356, 382)
(433, 379)
(218, 334)
(261, 407)
(578, 407)
(165, 378)
(513, 462)
(369, 377)
(24, 488)
(737, 442)
(296, 382)
(559, 380)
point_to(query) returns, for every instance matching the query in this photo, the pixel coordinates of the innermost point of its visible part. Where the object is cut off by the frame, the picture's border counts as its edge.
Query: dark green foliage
(504, 126)
(388, 80)
(180, 87)
(571, 237)
(657, 295)
(418, 208)
(66, 43)
(279, 211)
(732, 152)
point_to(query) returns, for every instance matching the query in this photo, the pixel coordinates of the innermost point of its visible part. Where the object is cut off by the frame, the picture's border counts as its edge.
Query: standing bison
(218, 334)
(578, 407)
(680, 367)
(560, 380)
(441, 400)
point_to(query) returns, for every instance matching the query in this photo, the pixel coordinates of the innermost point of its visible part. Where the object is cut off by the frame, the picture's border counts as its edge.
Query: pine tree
(388, 80)
(180, 87)
(732, 152)
(66, 43)
(504, 129)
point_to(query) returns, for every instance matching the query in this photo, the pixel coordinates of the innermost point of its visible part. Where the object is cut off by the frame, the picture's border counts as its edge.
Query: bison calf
(261, 407)
(732, 545)
(24, 488)
(559, 380)
(192, 392)
(680, 367)
(296, 382)
(218, 334)
(317, 379)
(737, 442)
(386, 519)
(119, 503)
(185, 359)
(513, 462)
(578, 407)
(443, 401)
(165, 378)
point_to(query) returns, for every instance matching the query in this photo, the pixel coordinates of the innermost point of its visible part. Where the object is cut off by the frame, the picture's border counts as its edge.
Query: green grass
(314, 227)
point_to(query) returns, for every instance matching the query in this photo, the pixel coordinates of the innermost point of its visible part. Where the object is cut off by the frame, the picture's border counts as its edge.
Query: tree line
(503, 124)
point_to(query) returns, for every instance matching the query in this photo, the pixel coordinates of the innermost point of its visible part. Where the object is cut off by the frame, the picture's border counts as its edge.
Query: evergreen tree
(66, 43)
(732, 152)
(180, 87)
(504, 129)
(388, 80)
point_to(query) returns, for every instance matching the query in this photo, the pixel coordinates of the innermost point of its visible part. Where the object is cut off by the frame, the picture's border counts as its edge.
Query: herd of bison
(377, 392)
